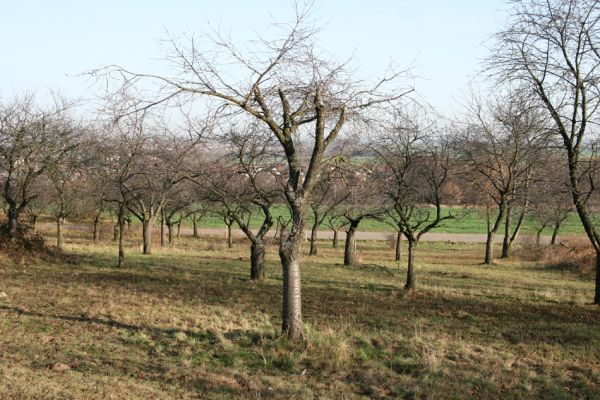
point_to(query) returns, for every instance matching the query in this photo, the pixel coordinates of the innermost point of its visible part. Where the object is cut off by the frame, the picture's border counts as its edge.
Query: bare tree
(67, 189)
(119, 149)
(551, 201)
(296, 93)
(335, 221)
(416, 162)
(501, 144)
(245, 182)
(159, 172)
(32, 139)
(363, 199)
(552, 48)
(328, 194)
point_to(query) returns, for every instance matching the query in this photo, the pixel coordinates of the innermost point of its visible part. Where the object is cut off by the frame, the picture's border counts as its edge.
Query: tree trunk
(350, 248)
(13, 222)
(170, 232)
(34, 218)
(335, 239)
(491, 231)
(147, 236)
(162, 231)
(96, 231)
(410, 272)
(229, 238)
(489, 249)
(178, 229)
(289, 254)
(257, 260)
(116, 231)
(129, 230)
(313, 239)
(597, 290)
(398, 246)
(59, 233)
(194, 227)
(555, 233)
(538, 235)
(121, 221)
(507, 231)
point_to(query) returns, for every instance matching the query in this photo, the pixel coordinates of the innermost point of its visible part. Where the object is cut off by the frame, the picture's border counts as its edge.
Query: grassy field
(187, 323)
(472, 221)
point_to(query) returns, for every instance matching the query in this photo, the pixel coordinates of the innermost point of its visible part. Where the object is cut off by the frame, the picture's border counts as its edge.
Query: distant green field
(471, 222)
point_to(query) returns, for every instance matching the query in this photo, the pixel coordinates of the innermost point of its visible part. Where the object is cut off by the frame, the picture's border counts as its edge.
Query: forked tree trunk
(538, 235)
(410, 272)
(34, 218)
(170, 232)
(59, 233)
(257, 260)
(121, 221)
(335, 239)
(96, 231)
(313, 239)
(491, 232)
(555, 233)
(350, 248)
(398, 246)
(147, 236)
(289, 254)
(178, 229)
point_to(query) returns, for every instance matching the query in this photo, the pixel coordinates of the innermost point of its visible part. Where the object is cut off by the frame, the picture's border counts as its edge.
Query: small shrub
(574, 254)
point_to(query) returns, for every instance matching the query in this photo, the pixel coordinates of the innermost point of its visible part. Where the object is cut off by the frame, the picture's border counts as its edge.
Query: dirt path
(428, 237)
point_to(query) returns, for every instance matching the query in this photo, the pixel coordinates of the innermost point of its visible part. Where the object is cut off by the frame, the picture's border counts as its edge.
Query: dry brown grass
(186, 322)
(573, 254)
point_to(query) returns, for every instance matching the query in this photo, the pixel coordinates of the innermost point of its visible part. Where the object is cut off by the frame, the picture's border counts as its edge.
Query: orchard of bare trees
(243, 130)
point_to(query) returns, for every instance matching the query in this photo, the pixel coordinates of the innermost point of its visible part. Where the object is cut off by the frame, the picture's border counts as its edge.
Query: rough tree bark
(289, 254)
(257, 260)
(350, 247)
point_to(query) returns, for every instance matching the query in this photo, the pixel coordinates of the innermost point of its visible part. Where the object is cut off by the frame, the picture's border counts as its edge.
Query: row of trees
(290, 125)
(410, 171)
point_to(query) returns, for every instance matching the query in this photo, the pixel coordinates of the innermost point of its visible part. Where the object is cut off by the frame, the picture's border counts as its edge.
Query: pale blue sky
(46, 44)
